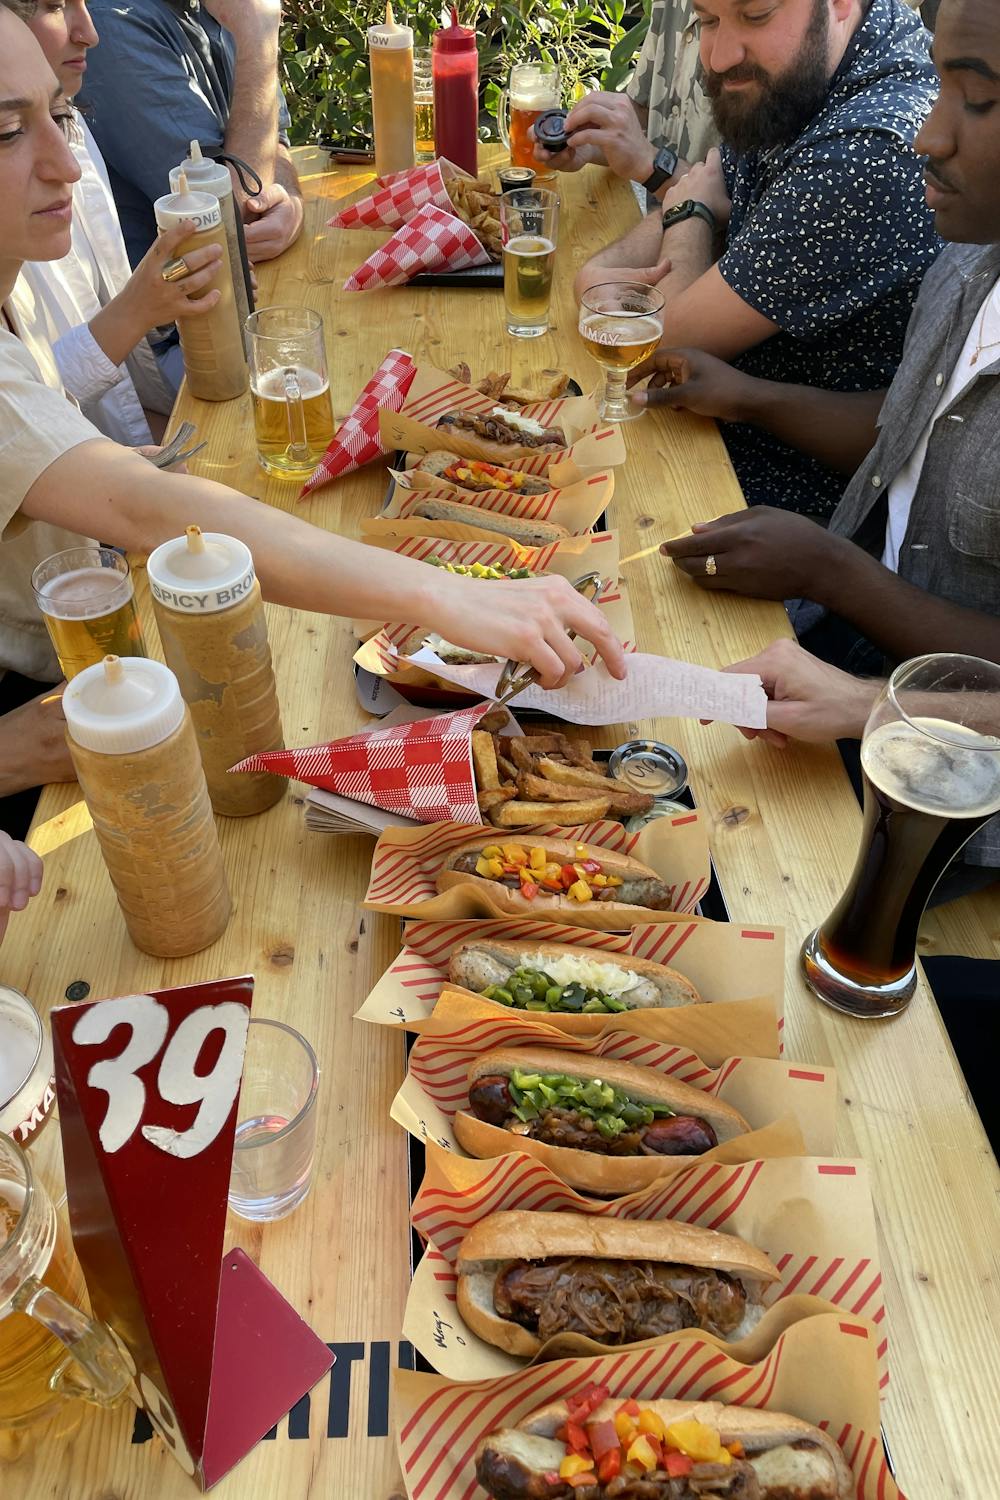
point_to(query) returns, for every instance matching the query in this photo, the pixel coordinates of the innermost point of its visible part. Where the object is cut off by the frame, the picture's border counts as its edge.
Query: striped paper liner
(440, 1423)
(577, 506)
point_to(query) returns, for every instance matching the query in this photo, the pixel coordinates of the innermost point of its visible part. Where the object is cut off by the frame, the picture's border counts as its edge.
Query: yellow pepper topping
(492, 851)
(625, 1428)
(514, 854)
(573, 1464)
(580, 891)
(650, 1422)
(641, 1453)
(699, 1442)
(537, 859)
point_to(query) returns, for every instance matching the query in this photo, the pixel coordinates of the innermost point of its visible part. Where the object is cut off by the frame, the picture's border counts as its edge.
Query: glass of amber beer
(88, 602)
(621, 324)
(930, 759)
(534, 87)
(529, 222)
(292, 415)
(49, 1350)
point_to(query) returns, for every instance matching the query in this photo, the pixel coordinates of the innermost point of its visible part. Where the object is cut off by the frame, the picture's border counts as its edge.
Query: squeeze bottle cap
(123, 705)
(202, 172)
(455, 38)
(200, 573)
(389, 34)
(203, 208)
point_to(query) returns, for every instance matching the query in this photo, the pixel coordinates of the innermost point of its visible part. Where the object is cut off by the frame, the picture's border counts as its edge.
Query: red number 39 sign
(148, 1087)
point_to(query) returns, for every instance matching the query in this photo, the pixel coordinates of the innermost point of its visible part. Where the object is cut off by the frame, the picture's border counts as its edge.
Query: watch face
(666, 161)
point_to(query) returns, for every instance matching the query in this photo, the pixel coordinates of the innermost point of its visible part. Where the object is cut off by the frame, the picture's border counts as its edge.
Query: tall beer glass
(529, 220)
(292, 415)
(85, 594)
(930, 758)
(621, 323)
(534, 87)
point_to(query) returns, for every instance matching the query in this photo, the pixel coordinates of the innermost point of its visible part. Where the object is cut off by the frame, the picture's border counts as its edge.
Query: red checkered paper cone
(422, 770)
(357, 440)
(398, 197)
(433, 240)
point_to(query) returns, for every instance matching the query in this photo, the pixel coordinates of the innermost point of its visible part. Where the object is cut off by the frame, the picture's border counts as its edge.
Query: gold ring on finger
(176, 269)
(711, 566)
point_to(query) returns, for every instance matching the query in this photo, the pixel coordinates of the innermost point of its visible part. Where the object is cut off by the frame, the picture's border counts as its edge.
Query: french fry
(494, 721)
(495, 796)
(508, 770)
(552, 770)
(628, 803)
(518, 814)
(537, 789)
(520, 754)
(484, 759)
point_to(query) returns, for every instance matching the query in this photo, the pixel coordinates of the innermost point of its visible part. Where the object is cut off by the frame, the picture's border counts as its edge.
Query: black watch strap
(690, 209)
(664, 167)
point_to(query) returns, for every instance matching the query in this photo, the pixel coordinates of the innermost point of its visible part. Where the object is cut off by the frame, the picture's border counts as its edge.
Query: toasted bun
(471, 962)
(504, 1237)
(437, 463)
(494, 450)
(819, 1474)
(644, 1085)
(531, 533)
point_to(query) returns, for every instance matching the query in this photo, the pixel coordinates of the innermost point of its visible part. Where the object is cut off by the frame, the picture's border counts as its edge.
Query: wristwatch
(690, 209)
(664, 167)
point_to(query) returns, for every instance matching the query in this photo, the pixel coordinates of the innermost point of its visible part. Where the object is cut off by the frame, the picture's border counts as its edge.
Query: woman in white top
(89, 305)
(57, 470)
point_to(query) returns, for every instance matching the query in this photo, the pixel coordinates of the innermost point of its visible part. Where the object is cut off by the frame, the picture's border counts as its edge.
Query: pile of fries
(551, 385)
(475, 204)
(526, 779)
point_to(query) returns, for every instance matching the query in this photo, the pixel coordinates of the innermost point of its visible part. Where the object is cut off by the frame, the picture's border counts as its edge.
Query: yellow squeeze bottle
(390, 55)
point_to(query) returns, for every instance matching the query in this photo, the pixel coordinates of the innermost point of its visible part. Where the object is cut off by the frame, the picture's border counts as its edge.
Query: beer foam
(270, 386)
(525, 245)
(930, 775)
(85, 593)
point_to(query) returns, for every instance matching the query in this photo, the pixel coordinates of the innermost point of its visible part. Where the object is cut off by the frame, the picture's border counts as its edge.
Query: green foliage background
(324, 53)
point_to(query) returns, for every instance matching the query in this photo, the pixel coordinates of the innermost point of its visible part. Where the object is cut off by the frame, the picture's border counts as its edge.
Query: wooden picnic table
(783, 829)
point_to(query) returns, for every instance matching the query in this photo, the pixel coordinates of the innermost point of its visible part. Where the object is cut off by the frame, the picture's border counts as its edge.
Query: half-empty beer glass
(86, 596)
(292, 415)
(930, 759)
(529, 220)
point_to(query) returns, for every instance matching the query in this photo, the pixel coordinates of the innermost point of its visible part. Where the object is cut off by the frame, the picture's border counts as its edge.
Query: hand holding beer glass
(292, 415)
(621, 325)
(529, 223)
(930, 759)
(534, 87)
(86, 596)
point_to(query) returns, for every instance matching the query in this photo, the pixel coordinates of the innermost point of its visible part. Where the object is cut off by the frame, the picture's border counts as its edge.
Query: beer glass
(423, 103)
(276, 1131)
(49, 1350)
(87, 599)
(292, 415)
(930, 759)
(534, 87)
(620, 324)
(529, 223)
(27, 1087)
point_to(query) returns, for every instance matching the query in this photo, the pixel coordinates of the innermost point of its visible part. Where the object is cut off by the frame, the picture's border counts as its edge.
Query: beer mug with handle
(50, 1350)
(534, 87)
(292, 415)
(930, 762)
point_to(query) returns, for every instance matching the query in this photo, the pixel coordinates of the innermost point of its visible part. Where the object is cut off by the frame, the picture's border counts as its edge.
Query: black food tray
(489, 278)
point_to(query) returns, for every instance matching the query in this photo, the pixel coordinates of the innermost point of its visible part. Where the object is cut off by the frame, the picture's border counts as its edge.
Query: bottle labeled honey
(211, 620)
(390, 56)
(136, 757)
(212, 343)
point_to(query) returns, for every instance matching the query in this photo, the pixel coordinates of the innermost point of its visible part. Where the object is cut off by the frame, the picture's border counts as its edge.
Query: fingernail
(640, 398)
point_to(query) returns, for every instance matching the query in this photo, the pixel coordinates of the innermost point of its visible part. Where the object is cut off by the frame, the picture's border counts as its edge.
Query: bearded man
(796, 251)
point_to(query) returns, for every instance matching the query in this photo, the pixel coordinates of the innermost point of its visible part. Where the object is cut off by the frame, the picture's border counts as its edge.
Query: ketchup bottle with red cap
(456, 94)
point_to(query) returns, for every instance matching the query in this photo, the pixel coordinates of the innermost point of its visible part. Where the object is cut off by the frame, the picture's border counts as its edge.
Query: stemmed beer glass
(621, 324)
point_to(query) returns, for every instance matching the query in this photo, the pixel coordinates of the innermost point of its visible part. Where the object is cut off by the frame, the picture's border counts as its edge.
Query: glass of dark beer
(930, 759)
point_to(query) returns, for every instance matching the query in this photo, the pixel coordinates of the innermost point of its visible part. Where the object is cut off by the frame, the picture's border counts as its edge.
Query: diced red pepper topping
(529, 890)
(677, 1464)
(576, 1437)
(588, 1400)
(629, 1409)
(610, 1464)
(603, 1438)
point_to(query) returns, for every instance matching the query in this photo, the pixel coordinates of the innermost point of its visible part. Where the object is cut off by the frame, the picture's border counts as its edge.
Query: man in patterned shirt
(664, 105)
(796, 252)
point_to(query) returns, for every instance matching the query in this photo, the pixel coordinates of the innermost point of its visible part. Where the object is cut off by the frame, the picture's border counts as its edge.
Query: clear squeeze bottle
(207, 176)
(390, 56)
(136, 756)
(210, 616)
(456, 95)
(212, 344)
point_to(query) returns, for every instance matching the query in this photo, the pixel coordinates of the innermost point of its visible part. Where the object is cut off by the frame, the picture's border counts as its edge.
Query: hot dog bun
(501, 1238)
(496, 439)
(589, 1171)
(814, 1471)
(520, 528)
(525, 484)
(640, 881)
(484, 962)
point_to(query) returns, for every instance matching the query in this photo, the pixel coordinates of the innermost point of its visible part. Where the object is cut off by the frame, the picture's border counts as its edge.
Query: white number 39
(177, 1081)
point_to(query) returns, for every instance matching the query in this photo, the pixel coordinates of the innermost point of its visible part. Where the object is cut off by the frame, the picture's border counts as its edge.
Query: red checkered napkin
(357, 440)
(422, 770)
(398, 197)
(433, 240)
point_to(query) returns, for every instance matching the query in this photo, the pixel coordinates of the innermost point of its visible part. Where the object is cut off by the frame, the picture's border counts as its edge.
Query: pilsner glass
(86, 596)
(621, 324)
(292, 415)
(27, 1085)
(423, 103)
(529, 219)
(930, 759)
(534, 87)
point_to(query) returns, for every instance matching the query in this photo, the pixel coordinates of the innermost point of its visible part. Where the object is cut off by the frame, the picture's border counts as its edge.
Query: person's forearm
(900, 619)
(640, 247)
(837, 427)
(117, 328)
(689, 247)
(252, 128)
(285, 173)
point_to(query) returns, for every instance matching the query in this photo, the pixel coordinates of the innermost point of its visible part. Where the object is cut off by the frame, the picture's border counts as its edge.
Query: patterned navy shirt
(829, 237)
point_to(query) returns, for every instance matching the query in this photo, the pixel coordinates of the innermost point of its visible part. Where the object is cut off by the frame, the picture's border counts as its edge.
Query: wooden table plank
(784, 828)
